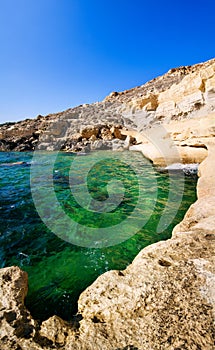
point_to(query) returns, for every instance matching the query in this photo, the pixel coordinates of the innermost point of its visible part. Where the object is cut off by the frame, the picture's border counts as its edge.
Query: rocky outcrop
(185, 141)
(16, 323)
(184, 92)
(165, 300)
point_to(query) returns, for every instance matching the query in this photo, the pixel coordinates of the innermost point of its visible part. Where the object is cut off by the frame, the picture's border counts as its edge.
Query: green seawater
(59, 270)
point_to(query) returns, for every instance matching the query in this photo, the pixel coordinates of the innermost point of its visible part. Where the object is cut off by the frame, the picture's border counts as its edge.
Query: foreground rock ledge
(164, 300)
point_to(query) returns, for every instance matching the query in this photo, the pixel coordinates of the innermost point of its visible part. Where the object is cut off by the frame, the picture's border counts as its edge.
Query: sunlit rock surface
(166, 298)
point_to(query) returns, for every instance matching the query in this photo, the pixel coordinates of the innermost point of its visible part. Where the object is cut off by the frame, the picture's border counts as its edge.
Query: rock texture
(166, 298)
(180, 92)
(16, 323)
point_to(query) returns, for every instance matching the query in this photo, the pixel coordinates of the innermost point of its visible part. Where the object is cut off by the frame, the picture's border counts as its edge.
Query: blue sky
(56, 54)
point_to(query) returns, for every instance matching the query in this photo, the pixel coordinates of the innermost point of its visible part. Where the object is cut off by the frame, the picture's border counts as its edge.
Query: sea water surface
(58, 270)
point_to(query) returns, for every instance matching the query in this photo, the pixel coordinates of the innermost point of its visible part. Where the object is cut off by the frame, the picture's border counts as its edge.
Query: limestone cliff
(182, 93)
(166, 298)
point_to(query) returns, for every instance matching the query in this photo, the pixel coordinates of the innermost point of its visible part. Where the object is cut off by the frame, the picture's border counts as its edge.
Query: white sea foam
(186, 168)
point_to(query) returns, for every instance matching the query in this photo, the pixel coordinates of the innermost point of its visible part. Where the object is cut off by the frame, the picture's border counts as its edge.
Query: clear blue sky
(55, 54)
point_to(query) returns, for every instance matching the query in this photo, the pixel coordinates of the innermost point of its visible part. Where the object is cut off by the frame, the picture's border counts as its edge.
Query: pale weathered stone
(164, 300)
(167, 108)
(207, 72)
(188, 103)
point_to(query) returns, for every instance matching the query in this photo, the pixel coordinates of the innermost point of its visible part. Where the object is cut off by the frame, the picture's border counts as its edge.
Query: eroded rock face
(184, 92)
(192, 90)
(166, 298)
(163, 300)
(177, 142)
(16, 324)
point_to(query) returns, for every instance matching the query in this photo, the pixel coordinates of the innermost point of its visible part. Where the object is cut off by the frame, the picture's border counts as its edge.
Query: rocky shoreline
(166, 298)
(182, 93)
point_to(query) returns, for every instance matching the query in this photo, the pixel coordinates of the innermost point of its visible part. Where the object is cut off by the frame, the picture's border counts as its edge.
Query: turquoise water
(58, 270)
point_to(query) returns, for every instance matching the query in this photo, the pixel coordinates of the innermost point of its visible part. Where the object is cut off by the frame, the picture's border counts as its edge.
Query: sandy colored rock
(164, 300)
(181, 93)
(106, 134)
(89, 131)
(117, 132)
(157, 300)
(148, 102)
(17, 328)
(55, 329)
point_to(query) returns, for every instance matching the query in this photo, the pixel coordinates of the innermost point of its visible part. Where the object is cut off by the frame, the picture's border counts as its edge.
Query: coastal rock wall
(164, 300)
(176, 142)
(184, 92)
(195, 91)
